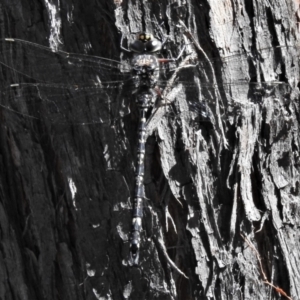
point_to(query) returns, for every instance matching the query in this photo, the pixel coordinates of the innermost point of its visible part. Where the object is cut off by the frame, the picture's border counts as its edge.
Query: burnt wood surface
(222, 216)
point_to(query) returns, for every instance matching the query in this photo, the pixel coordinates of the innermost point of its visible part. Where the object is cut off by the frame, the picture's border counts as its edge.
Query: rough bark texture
(65, 198)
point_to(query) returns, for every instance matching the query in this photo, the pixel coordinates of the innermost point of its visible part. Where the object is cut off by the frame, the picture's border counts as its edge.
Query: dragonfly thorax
(145, 69)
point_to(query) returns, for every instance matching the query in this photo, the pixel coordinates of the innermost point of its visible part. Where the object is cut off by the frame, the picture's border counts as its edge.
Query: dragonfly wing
(203, 103)
(66, 105)
(43, 64)
(250, 66)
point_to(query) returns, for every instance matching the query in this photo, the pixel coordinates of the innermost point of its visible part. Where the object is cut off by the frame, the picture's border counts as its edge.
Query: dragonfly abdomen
(144, 101)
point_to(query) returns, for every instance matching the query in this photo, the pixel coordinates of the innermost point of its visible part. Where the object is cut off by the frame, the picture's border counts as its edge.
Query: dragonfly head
(145, 43)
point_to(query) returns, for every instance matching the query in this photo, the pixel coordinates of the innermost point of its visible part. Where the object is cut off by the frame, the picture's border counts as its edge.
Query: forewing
(32, 62)
(251, 66)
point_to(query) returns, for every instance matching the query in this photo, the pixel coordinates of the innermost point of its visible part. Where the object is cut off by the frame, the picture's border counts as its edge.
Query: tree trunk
(222, 213)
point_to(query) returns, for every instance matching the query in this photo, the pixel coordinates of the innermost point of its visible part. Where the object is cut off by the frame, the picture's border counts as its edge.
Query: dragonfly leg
(167, 60)
(121, 44)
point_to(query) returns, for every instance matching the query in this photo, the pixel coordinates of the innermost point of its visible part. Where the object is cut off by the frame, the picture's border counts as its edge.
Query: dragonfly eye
(153, 46)
(137, 46)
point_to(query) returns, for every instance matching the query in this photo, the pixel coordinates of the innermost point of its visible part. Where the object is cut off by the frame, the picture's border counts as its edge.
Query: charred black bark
(222, 216)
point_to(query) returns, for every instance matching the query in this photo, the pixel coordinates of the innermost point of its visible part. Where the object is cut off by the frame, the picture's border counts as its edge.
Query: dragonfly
(64, 89)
